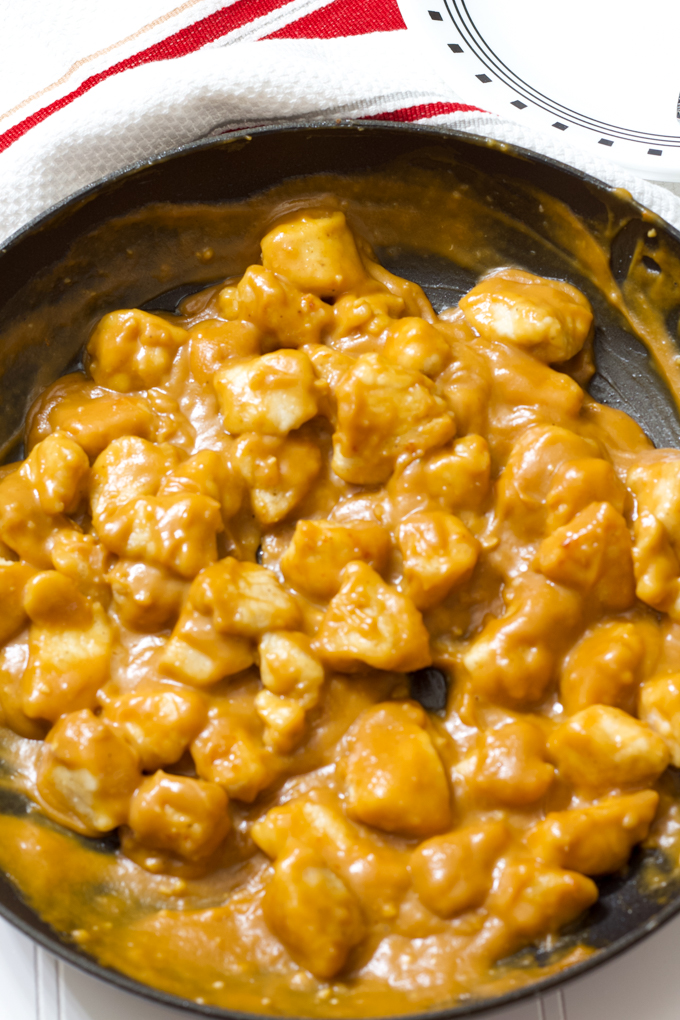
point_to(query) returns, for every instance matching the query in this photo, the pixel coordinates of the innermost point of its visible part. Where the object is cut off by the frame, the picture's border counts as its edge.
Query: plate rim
(415, 15)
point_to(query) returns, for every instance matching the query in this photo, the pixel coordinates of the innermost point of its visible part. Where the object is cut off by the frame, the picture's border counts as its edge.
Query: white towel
(85, 90)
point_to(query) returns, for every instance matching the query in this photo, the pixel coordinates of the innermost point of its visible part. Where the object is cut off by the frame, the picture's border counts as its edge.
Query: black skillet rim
(77, 958)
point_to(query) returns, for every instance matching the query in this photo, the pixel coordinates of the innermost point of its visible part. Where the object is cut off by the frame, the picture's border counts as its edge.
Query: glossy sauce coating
(232, 541)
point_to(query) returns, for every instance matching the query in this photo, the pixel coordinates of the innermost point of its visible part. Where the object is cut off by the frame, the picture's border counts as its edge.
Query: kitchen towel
(86, 90)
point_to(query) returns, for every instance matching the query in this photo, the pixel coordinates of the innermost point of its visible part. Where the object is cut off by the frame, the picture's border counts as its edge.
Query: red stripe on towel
(343, 18)
(187, 40)
(410, 113)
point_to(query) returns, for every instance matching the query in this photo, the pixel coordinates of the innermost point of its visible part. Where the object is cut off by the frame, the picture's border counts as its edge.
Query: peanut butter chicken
(234, 539)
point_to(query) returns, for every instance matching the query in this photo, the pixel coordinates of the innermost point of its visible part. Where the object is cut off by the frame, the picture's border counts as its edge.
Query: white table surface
(642, 984)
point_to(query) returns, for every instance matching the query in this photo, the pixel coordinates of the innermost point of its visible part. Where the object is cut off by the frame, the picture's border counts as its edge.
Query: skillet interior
(73, 265)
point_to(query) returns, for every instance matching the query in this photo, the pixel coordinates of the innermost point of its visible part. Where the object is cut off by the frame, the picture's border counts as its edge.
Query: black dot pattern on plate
(455, 48)
(479, 47)
(655, 152)
(430, 688)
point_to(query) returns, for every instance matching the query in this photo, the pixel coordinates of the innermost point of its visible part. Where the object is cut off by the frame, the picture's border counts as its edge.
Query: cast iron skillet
(45, 315)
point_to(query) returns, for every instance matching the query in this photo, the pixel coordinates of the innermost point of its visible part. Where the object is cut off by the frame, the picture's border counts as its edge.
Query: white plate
(605, 74)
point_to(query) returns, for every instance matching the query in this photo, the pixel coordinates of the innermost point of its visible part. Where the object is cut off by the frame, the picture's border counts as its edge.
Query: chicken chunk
(13, 659)
(660, 709)
(578, 483)
(595, 840)
(377, 873)
(147, 598)
(438, 553)
(177, 531)
(199, 655)
(535, 464)
(58, 469)
(320, 550)
(454, 872)
(226, 753)
(370, 622)
(594, 555)
(330, 366)
(415, 344)
(244, 599)
(654, 483)
(25, 528)
(279, 472)
(128, 468)
(656, 565)
(458, 476)
(215, 342)
(603, 668)
(170, 425)
(273, 394)
(467, 382)
(385, 412)
(206, 473)
(292, 676)
(316, 251)
(313, 913)
(185, 817)
(511, 768)
(406, 792)
(284, 721)
(284, 315)
(289, 667)
(91, 416)
(85, 560)
(158, 724)
(602, 748)
(358, 317)
(70, 643)
(13, 579)
(526, 393)
(532, 899)
(86, 774)
(133, 350)
(549, 318)
(513, 659)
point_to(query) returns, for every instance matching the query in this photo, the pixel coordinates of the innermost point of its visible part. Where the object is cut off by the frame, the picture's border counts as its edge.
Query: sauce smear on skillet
(236, 544)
